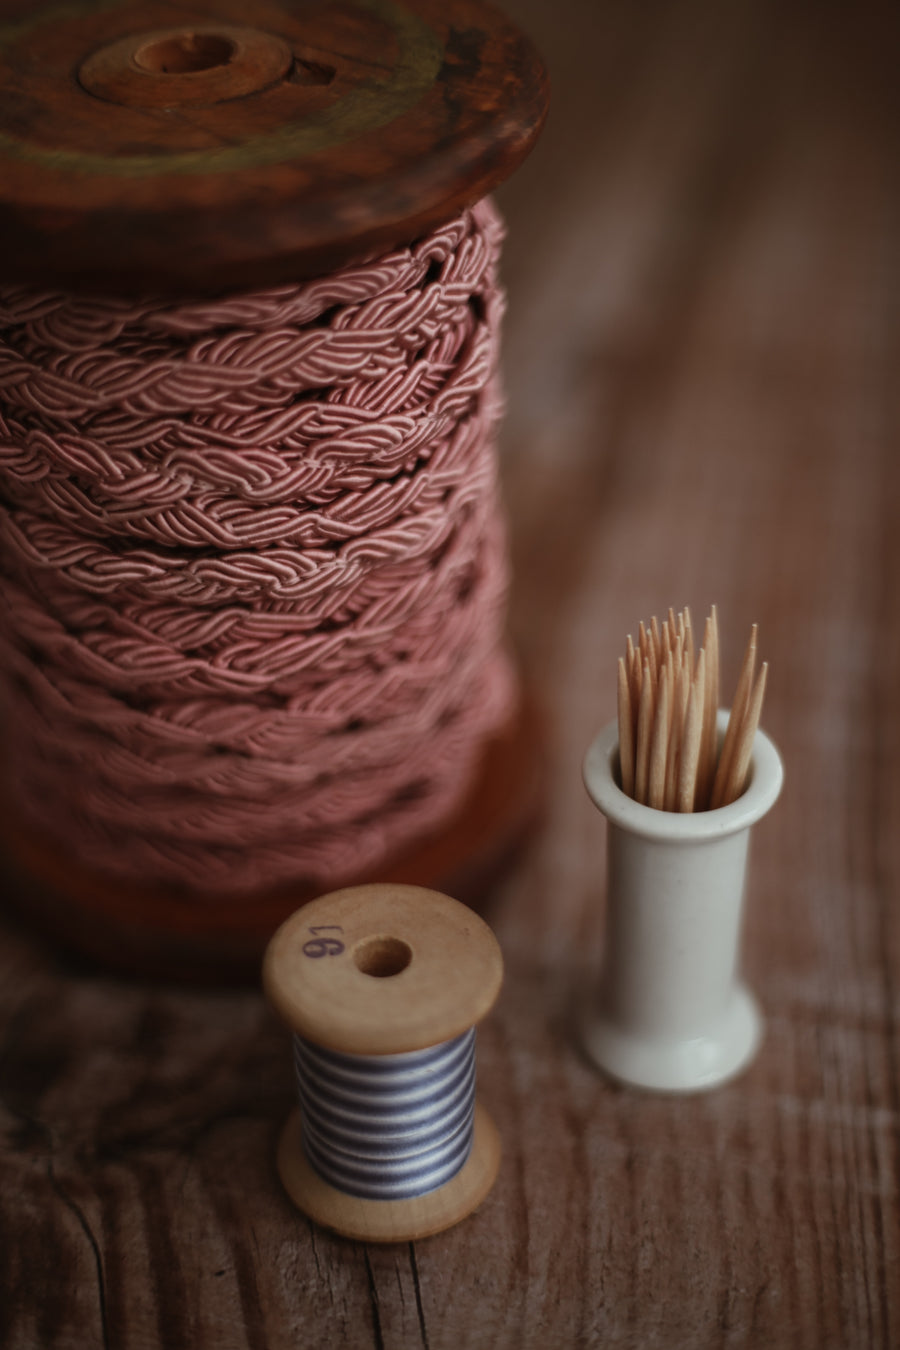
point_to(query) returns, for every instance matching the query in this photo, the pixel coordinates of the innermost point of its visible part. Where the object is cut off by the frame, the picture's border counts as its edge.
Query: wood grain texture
(702, 359)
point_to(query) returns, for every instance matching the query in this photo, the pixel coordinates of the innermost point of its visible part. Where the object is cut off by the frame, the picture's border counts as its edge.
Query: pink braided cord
(251, 621)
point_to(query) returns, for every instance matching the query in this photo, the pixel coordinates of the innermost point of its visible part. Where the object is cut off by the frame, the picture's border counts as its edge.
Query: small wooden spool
(381, 970)
(172, 149)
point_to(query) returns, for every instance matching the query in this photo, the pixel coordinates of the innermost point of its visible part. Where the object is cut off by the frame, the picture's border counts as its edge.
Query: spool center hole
(185, 53)
(382, 956)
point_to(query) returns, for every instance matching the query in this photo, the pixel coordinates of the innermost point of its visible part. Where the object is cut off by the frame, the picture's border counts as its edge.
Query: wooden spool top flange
(174, 147)
(382, 970)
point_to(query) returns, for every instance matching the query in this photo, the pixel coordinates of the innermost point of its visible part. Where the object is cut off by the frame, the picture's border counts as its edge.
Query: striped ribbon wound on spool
(387, 1127)
(254, 566)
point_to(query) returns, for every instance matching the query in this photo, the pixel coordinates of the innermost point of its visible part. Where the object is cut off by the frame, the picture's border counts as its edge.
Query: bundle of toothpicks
(669, 752)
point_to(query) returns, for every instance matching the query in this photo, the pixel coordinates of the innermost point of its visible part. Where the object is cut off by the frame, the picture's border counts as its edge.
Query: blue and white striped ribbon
(387, 1127)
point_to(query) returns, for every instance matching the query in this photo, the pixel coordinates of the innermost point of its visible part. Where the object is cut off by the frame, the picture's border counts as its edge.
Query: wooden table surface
(702, 365)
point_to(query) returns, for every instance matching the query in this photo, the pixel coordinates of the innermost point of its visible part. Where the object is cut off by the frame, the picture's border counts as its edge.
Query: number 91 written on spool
(318, 946)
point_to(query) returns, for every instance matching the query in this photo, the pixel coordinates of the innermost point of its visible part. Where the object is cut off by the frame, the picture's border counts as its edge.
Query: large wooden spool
(175, 149)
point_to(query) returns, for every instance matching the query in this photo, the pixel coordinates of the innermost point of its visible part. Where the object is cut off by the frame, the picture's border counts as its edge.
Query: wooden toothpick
(689, 640)
(657, 640)
(659, 744)
(737, 776)
(644, 732)
(633, 664)
(693, 733)
(676, 733)
(707, 770)
(626, 731)
(735, 718)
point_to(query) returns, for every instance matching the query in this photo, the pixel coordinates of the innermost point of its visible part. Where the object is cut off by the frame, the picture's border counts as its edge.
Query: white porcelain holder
(671, 1013)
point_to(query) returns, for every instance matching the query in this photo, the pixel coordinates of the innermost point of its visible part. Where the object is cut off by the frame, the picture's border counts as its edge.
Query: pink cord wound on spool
(252, 619)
